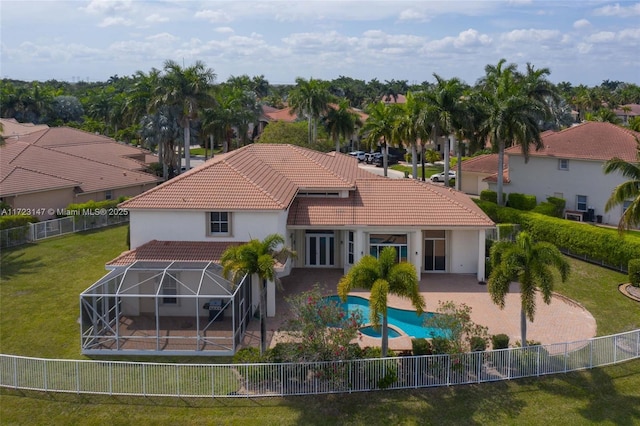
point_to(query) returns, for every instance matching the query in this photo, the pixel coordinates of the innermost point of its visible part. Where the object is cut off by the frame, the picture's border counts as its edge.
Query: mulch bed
(630, 291)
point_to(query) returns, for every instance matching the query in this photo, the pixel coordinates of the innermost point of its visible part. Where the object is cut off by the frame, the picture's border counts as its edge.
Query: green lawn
(38, 317)
(428, 170)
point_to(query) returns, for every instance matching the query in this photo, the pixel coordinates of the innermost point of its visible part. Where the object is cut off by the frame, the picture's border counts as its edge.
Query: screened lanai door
(320, 248)
(435, 251)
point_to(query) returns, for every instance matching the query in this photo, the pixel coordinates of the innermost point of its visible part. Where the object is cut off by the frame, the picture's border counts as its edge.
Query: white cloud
(617, 10)
(102, 7)
(602, 37)
(162, 38)
(530, 36)
(156, 18)
(224, 30)
(581, 24)
(466, 39)
(215, 16)
(412, 15)
(110, 22)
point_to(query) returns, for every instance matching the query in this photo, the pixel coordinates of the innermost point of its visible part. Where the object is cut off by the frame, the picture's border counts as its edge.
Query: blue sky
(581, 41)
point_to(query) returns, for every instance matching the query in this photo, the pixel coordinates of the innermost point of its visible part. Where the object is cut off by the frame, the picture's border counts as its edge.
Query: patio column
(271, 299)
(481, 254)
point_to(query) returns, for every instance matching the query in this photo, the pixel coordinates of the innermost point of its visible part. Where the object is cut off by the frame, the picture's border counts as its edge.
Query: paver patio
(561, 321)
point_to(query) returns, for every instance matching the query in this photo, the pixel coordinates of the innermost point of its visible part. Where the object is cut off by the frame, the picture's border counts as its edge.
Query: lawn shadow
(604, 403)
(13, 263)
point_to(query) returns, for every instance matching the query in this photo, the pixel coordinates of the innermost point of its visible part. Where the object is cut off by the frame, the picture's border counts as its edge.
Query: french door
(320, 248)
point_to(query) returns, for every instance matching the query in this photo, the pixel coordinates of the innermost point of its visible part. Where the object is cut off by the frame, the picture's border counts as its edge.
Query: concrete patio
(561, 321)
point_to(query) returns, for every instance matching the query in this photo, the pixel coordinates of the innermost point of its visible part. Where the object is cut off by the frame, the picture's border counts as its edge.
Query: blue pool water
(407, 321)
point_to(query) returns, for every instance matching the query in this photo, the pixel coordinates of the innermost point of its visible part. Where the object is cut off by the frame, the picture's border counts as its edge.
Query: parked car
(370, 156)
(360, 155)
(391, 159)
(439, 177)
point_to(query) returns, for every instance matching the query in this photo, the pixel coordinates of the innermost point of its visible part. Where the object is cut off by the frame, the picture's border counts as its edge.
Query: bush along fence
(285, 379)
(65, 225)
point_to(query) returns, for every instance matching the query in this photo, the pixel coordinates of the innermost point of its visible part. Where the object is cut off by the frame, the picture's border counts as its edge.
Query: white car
(360, 155)
(439, 177)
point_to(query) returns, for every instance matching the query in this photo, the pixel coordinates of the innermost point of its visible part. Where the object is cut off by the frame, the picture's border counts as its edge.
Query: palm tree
(629, 190)
(514, 105)
(378, 128)
(445, 109)
(529, 263)
(383, 276)
(188, 89)
(259, 258)
(310, 99)
(341, 121)
(411, 125)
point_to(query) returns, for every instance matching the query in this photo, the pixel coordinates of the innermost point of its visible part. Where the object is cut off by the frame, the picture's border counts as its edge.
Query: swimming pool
(407, 321)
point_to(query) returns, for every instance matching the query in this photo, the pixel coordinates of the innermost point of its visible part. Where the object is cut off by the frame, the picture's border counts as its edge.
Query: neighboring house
(627, 112)
(328, 209)
(45, 170)
(570, 165)
(476, 171)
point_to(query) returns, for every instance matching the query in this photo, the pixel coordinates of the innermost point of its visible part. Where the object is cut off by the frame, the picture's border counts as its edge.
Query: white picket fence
(285, 379)
(55, 227)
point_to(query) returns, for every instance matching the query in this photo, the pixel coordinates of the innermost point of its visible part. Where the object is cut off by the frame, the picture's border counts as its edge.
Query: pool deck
(561, 321)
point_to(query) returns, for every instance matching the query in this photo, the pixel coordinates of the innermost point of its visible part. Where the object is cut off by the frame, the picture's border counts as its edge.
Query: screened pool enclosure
(165, 307)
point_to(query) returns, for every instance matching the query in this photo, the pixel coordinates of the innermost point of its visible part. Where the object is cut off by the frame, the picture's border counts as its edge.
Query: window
(169, 290)
(625, 205)
(108, 195)
(219, 223)
(377, 242)
(350, 249)
(563, 164)
(581, 203)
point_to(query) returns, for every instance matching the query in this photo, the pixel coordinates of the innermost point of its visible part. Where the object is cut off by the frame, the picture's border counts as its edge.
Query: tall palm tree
(187, 88)
(310, 99)
(514, 105)
(383, 276)
(445, 109)
(378, 129)
(411, 125)
(530, 264)
(629, 190)
(341, 121)
(259, 258)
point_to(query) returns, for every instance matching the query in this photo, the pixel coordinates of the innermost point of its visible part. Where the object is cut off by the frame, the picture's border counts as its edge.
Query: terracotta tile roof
(255, 177)
(25, 167)
(11, 128)
(590, 140)
(634, 110)
(390, 202)
(190, 251)
(63, 136)
(487, 163)
(285, 114)
(112, 153)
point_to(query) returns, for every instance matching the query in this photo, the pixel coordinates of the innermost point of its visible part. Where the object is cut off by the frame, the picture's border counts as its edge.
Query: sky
(580, 41)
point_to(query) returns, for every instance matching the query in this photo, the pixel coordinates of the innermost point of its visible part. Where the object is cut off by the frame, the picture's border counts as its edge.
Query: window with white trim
(563, 164)
(169, 290)
(350, 249)
(581, 203)
(219, 223)
(377, 242)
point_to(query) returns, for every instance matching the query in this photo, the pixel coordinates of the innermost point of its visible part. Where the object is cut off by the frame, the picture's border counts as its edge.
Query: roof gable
(590, 140)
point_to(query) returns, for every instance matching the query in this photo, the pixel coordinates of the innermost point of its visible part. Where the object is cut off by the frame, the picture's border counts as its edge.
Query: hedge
(582, 239)
(93, 205)
(522, 201)
(634, 272)
(488, 195)
(15, 221)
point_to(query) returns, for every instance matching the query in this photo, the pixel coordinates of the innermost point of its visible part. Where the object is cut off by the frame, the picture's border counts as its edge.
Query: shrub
(441, 345)
(478, 344)
(500, 341)
(554, 207)
(78, 209)
(522, 201)
(455, 321)
(634, 272)
(488, 195)
(490, 209)
(17, 220)
(506, 231)
(249, 355)
(421, 347)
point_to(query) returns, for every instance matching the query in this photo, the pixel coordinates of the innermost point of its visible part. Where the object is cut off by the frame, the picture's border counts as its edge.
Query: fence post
(78, 377)
(565, 357)
(178, 379)
(46, 384)
(110, 378)
(590, 353)
(15, 372)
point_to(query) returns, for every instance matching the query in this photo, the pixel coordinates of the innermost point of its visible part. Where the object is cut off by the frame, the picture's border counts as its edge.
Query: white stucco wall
(192, 226)
(463, 252)
(542, 178)
(472, 183)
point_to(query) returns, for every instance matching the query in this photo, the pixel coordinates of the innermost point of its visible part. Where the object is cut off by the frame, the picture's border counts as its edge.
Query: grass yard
(39, 303)
(428, 170)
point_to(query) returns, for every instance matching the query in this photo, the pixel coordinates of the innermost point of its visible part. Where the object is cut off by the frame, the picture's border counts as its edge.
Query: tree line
(177, 106)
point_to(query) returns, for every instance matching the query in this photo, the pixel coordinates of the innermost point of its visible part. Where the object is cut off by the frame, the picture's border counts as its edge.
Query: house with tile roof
(570, 165)
(478, 171)
(627, 112)
(44, 169)
(329, 210)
